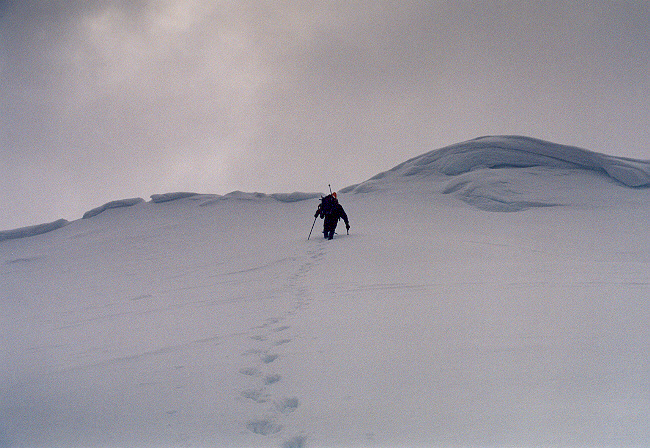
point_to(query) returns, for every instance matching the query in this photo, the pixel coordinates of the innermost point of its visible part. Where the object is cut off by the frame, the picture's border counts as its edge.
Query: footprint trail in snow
(274, 410)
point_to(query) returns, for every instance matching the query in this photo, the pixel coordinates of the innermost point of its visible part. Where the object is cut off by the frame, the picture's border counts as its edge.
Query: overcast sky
(110, 99)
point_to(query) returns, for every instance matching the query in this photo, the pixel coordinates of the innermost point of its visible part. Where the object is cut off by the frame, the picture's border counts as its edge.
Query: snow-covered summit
(522, 152)
(512, 173)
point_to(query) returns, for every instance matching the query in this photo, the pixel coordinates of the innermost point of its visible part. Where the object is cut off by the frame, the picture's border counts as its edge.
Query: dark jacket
(335, 214)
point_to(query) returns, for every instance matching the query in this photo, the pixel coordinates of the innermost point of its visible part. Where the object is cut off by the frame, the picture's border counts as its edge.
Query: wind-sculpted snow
(523, 152)
(202, 199)
(256, 197)
(280, 197)
(294, 197)
(25, 232)
(168, 197)
(113, 204)
(505, 173)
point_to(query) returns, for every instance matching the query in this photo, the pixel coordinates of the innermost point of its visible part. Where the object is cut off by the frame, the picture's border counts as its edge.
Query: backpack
(327, 204)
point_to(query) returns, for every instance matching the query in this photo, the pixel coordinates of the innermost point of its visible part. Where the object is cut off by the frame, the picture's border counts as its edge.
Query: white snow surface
(510, 173)
(522, 152)
(211, 321)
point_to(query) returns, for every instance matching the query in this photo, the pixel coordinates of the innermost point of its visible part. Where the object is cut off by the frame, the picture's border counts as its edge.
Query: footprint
(287, 405)
(257, 395)
(269, 322)
(268, 359)
(272, 379)
(263, 427)
(282, 328)
(282, 342)
(296, 442)
(252, 352)
(249, 371)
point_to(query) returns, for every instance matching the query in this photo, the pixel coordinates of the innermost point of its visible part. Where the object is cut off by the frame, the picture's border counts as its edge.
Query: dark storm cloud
(110, 99)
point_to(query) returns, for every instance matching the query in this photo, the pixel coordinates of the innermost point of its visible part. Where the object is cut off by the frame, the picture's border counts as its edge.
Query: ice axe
(312, 227)
(315, 217)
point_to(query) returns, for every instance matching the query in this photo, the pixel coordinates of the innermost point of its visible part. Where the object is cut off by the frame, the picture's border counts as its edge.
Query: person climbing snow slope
(331, 211)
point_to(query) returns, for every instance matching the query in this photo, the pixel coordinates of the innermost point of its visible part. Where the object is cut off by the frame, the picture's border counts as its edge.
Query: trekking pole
(330, 188)
(312, 227)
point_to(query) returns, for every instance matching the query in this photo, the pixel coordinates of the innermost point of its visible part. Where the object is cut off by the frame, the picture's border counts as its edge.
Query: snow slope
(211, 320)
